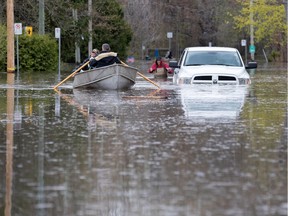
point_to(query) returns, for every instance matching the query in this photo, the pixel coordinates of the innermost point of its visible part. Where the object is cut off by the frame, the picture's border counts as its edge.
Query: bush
(3, 48)
(38, 53)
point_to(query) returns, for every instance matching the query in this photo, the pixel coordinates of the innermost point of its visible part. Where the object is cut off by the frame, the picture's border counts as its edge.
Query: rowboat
(111, 77)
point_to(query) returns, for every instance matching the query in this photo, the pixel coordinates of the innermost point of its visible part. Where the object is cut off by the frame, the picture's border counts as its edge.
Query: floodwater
(192, 150)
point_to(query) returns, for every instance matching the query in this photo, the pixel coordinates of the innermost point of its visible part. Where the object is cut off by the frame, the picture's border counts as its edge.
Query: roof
(210, 49)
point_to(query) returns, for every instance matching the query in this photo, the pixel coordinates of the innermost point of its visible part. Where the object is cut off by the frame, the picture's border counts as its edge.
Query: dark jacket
(105, 58)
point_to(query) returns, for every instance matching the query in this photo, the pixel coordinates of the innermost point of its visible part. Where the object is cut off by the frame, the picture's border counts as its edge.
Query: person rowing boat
(105, 57)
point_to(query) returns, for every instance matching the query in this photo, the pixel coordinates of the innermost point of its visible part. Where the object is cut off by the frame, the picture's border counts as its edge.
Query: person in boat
(105, 57)
(92, 55)
(160, 68)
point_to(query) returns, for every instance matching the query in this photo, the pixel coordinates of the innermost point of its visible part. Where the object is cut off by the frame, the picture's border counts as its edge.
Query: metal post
(251, 29)
(17, 50)
(246, 61)
(169, 36)
(58, 36)
(59, 59)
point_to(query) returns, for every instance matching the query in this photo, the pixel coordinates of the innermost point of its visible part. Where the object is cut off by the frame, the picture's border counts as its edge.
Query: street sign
(17, 32)
(17, 28)
(57, 32)
(252, 49)
(58, 36)
(29, 30)
(169, 34)
(243, 43)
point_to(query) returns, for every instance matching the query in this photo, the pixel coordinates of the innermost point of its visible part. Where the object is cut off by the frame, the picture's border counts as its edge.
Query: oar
(146, 78)
(71, 75)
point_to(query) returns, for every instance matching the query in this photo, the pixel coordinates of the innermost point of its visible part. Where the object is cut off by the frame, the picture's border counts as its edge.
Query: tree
(141, 20)
(110, 27)
(192, 23)
(108, 23)
(270, 28)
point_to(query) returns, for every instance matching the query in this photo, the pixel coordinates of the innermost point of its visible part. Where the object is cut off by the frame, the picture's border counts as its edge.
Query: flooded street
(195, 150)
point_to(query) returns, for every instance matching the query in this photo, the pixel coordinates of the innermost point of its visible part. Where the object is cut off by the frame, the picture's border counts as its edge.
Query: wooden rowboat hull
(112, 77)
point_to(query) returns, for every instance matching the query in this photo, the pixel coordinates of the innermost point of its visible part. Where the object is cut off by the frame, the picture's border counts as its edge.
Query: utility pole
(251, 30)
(77, 48)
(41, 17)
(90, 27)
(10, 36)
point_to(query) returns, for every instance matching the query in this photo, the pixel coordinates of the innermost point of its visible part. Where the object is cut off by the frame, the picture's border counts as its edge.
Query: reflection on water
(99, 153)
(90, 105)
(9, 145)
(213, 101)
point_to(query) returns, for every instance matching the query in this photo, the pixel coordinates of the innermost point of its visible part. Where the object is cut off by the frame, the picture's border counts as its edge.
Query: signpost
(169, 36)
(17, 28)
(244, 43)
(252, 49)
(58, 35)
(142, 53)
(17, 32)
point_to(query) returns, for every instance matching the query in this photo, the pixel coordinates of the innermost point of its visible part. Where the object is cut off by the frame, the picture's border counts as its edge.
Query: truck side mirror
(173, 64)
(251, 65)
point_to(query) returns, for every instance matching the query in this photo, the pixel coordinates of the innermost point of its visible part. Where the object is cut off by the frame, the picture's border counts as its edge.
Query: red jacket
(161, 65)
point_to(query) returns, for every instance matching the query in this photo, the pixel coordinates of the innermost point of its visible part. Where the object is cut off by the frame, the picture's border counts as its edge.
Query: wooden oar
(146, 78)
(72, 74)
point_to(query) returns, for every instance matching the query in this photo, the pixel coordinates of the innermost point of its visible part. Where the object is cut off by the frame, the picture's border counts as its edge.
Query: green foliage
(108, 26)
(268, 20)
(273, 56)
(3, 48)
(38, 53)
(72, 17)
(111, 28)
